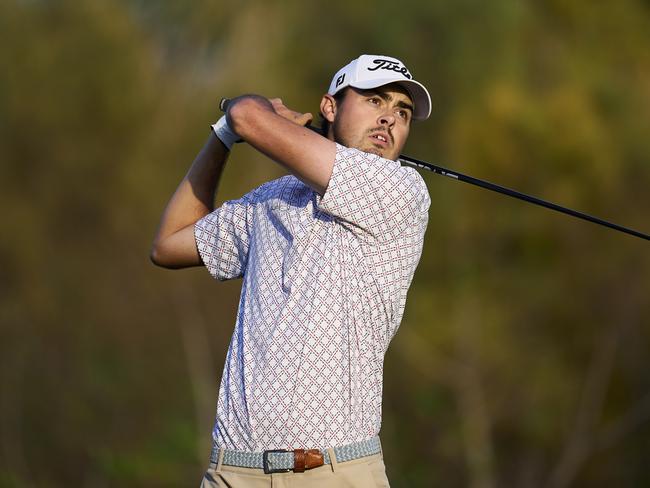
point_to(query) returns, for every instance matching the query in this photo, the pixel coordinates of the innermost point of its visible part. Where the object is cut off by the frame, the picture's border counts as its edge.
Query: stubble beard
(362, 145)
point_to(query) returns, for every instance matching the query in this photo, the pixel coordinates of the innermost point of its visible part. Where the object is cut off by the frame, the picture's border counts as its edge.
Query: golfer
(326, 255)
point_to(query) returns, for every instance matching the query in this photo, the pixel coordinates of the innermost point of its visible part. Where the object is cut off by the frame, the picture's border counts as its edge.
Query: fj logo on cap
(339, 80)
(390, 66)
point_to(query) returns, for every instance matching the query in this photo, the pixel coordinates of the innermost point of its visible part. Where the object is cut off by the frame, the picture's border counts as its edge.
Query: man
(327, 255)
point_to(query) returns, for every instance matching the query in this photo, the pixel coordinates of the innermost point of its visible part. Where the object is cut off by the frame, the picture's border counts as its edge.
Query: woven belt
(278, 460)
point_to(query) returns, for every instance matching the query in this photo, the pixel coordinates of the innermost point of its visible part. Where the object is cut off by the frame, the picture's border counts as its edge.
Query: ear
(328, 108)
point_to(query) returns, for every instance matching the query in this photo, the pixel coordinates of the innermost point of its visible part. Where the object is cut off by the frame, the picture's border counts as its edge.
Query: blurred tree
(521, 357)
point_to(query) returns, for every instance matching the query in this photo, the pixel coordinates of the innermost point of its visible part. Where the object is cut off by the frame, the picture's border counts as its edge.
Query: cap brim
(419, 94)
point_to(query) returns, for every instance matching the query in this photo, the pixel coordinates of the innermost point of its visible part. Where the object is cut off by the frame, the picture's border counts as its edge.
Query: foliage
(520, 360)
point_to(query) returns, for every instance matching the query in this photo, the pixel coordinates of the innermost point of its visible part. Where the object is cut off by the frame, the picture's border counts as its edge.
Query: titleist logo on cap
(389, 65)
(375, 70)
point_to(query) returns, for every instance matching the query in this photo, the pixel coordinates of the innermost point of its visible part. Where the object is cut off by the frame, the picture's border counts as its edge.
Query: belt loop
(220, 459)
(213, 456)
(333, 462)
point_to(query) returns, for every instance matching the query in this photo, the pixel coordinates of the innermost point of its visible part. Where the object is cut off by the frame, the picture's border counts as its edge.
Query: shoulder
(356, 156)
(284, 188)
(375, 167)
(269, 189)
(415, 178)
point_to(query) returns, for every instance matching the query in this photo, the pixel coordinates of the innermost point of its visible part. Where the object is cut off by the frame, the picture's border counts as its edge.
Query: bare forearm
(279, 133)
(192, 200)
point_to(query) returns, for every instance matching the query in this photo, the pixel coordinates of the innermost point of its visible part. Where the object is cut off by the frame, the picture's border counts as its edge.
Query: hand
(295, 117)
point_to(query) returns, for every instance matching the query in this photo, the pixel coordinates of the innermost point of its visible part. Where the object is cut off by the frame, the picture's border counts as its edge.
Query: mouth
(380, 139)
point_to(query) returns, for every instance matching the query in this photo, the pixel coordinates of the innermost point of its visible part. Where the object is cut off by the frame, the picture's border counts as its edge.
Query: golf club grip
(223, 104)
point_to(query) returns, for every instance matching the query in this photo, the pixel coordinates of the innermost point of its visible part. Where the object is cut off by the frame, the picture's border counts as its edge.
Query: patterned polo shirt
(323, 293)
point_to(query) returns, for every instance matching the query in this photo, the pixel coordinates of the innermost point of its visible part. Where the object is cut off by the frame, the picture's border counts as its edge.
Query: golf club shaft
(223, 105)
(515, 194)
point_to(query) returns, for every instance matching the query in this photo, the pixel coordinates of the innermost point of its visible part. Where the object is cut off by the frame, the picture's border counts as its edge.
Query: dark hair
(324, 123)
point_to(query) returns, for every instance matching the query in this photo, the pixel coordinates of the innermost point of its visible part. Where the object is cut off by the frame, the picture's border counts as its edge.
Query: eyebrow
(402, 104)
(388, 98)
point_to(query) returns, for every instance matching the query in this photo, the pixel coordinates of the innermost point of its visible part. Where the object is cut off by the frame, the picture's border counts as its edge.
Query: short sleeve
(223, 238)
(376, 195)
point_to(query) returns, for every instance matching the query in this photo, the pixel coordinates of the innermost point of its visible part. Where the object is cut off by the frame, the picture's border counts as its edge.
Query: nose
(387, 118)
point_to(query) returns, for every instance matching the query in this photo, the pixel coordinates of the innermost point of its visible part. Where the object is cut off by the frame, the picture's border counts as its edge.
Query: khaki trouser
(366, 472)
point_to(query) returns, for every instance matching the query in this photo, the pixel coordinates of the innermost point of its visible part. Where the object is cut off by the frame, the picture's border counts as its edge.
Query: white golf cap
(371, 71)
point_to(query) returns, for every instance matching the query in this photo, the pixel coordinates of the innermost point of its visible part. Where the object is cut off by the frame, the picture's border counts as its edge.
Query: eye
(403, 114)
(374, 100)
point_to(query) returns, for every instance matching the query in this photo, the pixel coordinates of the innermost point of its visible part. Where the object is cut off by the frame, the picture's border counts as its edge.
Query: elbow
(166, 255)
(154, 255)
(157, 256)
(175, 251)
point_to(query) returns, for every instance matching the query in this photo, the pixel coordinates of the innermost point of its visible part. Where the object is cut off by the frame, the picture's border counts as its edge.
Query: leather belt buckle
(307, 459)
(265, 462)
(302, 460)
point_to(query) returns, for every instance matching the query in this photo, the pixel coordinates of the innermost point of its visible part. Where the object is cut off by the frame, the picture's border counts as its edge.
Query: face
(375, 121)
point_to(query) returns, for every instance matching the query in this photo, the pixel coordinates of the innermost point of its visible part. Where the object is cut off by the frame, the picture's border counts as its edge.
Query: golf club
(223, 105)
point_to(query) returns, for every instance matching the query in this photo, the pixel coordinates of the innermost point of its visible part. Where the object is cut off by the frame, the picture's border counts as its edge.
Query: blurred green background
(522, 359)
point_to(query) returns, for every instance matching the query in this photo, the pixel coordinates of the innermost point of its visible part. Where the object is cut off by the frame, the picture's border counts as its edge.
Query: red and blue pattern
(323, 293)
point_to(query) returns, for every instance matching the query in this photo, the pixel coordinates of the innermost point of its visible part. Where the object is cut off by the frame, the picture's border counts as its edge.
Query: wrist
(225, 134)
